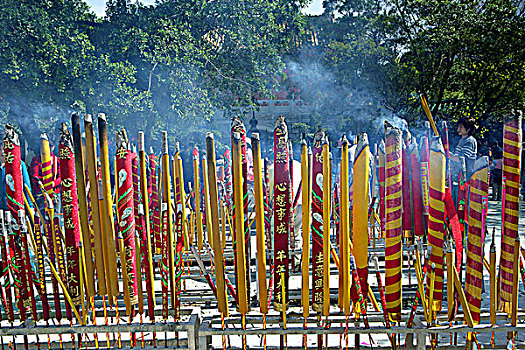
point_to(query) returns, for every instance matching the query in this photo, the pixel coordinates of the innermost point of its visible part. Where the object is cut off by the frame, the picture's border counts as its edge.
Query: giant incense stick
(375, 194)
(407, 194)
(446, 147)
(178, 233)
(214, 214)
(259, 214)
(238, 127)
(184, 234)
(224, 209)
(510, 208)
(292, 202)
(267, 204)
(168, 220)
(463, 186)
(140, 243)
(393, 234)
(417, 195)
(476, 236)
(21, 266)
(436, 219)
(179, 242)
(106, 217)
(146, 235)
(429, 114)
(126, 215)
(164, 261)
(381, 183)
(344, 238)
(317, 222)
(228, 177)
(198, 213)
(178, 238)
(450, 284)
(94, 201)
(327, 184)
(493, 285)
(57, 238)
(49, 167)
(281, 213)
(360, 210)
(6, 280)
(515, 286)
(207, 208)
(240, 265)
(306, 199)
(70, 212)
(425, 158)
(82, 206)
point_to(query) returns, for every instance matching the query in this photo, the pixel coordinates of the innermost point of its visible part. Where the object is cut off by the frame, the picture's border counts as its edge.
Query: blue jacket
(3, 195)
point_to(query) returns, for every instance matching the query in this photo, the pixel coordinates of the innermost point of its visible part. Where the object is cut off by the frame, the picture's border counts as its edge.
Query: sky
(99, 6)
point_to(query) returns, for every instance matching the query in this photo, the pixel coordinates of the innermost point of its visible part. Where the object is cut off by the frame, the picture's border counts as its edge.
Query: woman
(467, 146)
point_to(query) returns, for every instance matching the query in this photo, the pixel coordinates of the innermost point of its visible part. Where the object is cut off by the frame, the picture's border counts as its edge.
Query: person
(3, 193)
(467, 146)
(496, 170)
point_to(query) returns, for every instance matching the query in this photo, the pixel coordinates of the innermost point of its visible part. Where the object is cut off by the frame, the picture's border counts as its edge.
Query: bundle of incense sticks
(154, 214)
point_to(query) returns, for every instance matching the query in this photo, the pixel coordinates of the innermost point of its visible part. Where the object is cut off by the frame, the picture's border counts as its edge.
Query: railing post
(421, 339)
(193, 329)
(421, 333)
(204, 341)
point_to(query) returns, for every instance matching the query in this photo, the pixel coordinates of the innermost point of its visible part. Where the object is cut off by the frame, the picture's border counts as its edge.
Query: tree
(169, 66)
(473, 51)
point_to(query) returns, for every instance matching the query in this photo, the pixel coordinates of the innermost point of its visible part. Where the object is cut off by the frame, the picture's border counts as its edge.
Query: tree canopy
(172, 65)
(467, 56)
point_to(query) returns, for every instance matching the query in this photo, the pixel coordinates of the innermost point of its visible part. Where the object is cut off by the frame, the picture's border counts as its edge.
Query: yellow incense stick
(429, 114)
(306, 194)
(166, 197)
(259, 216)
(108, 234)
(214, 215)
(145, 206)
(431, 292)
(514, 313)
(198, 214)
(223, 224)
(462, 298)
(85, 236)
(185, 233)
(326, 229)
(64, 289)
(360, 209)
(205, 185)
(344, 229)
(493, 291)
(450, 284)
(239, 224)
(421, 286)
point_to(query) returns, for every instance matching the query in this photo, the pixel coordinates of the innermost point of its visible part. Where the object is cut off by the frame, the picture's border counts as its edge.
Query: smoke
(31, 118)
(337, 105)
(394, 120)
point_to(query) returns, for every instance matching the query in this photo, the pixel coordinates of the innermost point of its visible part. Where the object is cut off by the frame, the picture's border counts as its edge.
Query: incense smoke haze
(337, 107)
